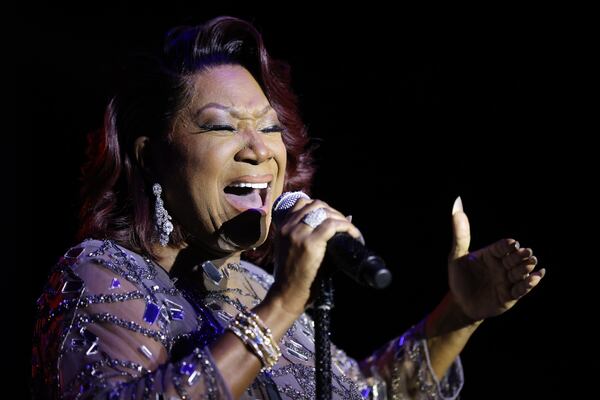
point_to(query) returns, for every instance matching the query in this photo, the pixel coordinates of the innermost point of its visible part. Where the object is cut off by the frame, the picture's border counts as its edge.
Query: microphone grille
(283, 203)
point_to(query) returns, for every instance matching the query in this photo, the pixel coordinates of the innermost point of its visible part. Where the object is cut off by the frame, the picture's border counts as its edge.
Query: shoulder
(95, 250)
(96, 271)
(88, 256)
(101, 301)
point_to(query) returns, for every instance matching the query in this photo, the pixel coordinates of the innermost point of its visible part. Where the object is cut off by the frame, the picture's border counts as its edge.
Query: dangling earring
(163, 219)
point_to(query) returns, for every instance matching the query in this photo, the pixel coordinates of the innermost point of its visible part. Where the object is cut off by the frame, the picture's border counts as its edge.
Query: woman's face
(225, 164)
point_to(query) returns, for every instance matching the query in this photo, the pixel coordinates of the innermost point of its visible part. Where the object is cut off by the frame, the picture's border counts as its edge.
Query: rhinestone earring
(163, 219)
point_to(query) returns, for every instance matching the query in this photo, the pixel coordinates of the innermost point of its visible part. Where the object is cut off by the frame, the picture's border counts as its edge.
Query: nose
(255, 150)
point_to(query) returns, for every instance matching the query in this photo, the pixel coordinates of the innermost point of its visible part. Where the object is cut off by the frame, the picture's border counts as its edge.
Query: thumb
(461, 232)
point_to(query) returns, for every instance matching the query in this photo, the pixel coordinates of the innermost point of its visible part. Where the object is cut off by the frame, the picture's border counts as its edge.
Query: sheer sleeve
(108, 328)
(401, 370)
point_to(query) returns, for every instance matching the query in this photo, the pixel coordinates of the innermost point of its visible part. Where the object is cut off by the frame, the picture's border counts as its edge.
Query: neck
(184, 258)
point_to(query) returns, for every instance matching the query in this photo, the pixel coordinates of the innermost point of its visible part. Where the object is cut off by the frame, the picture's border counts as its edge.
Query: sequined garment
(113, 324)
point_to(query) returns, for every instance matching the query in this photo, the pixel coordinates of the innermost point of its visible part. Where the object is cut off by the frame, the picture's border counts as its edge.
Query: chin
(244, 232)
(228, 245)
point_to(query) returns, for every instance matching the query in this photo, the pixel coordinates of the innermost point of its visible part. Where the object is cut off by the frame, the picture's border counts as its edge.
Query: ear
(141, 151)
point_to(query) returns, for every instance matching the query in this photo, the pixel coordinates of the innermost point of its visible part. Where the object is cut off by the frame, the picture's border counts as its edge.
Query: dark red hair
(116, 199)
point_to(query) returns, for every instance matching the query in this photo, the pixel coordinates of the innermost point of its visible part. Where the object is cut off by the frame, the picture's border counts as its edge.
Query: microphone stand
(364, 267)
(323, 306)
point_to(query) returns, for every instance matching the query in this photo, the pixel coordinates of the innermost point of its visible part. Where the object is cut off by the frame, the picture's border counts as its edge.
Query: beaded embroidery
(181, 322)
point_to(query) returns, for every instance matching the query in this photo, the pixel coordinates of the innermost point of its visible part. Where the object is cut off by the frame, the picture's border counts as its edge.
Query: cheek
(192, 167)
(203, 173)
(202, 159)
(280, 153)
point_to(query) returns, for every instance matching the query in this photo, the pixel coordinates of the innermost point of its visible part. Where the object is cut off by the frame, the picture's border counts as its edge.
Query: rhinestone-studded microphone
(345, 252)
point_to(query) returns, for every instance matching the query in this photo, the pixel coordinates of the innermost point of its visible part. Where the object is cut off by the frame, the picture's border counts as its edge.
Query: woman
(158, 300)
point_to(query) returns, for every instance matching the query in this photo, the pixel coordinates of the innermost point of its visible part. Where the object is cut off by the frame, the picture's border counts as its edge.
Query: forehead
(229, 85)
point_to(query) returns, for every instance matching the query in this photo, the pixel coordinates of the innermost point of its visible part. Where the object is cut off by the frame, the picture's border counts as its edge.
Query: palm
(489, 281)
(480, 284)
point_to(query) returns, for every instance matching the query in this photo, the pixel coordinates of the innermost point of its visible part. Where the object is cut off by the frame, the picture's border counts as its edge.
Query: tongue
(244, 202)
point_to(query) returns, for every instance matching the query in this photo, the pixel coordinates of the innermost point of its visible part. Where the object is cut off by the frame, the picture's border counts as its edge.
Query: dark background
(411, 108)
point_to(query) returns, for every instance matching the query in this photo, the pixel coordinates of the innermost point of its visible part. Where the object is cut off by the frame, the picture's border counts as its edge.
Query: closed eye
(271, 129)
(208, 127)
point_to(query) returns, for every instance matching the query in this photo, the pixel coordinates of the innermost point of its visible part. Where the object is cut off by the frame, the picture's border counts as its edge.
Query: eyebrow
(234, 112)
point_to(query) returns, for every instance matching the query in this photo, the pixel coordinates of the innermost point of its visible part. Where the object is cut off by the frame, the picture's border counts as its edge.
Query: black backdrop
(410, 108)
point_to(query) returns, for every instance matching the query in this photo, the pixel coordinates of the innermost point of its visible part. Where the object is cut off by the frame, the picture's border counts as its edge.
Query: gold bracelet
(261, 334)
(253, 332)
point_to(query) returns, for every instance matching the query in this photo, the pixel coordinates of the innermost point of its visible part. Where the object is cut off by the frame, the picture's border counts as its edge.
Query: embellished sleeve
(103, 333)
(402, 370)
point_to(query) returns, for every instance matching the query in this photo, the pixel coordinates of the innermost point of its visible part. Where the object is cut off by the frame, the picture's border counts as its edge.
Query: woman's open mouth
(244, 195)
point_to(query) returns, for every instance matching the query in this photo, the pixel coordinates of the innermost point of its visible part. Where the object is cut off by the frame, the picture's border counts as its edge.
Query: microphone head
(284, 203)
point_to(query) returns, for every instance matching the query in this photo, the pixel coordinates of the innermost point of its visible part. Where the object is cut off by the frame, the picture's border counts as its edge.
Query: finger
(517, 257)
(503, 247)
(361, 238)
(310, 205)
(523, 287)
(314, 205)
(300, 204)
(299, 211)
(331, 226)
(298, 228)
(522, 271)
(461, 232)
(335, 213)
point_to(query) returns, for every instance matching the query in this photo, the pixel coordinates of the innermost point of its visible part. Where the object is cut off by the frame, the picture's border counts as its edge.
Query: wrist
(275, 315)
(251, 330)
(449, 317)
(458, 314)
(290, 302)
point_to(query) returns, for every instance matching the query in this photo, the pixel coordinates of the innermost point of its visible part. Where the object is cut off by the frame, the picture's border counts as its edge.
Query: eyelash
(207, 127)
(272, 129)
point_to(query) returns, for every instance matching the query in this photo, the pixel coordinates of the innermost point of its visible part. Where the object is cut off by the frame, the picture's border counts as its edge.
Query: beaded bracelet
(253, 332)
(261, 335)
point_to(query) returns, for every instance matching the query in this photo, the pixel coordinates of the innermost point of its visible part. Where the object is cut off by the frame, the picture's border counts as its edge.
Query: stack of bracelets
(251, 330)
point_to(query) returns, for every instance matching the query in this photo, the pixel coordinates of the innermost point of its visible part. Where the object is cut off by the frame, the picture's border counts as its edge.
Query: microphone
(346, 253)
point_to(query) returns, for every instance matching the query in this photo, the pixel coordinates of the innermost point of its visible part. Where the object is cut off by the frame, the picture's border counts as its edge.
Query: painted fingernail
(457, 206)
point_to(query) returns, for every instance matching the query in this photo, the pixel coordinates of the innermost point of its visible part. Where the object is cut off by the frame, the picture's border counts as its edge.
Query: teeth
(250, 185)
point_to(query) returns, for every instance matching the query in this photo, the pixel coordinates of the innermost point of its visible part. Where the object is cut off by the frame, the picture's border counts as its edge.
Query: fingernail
(458, 206)
(534, 260)
(349, 218)
(362, 239)
(516, 245)
(542, 272)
